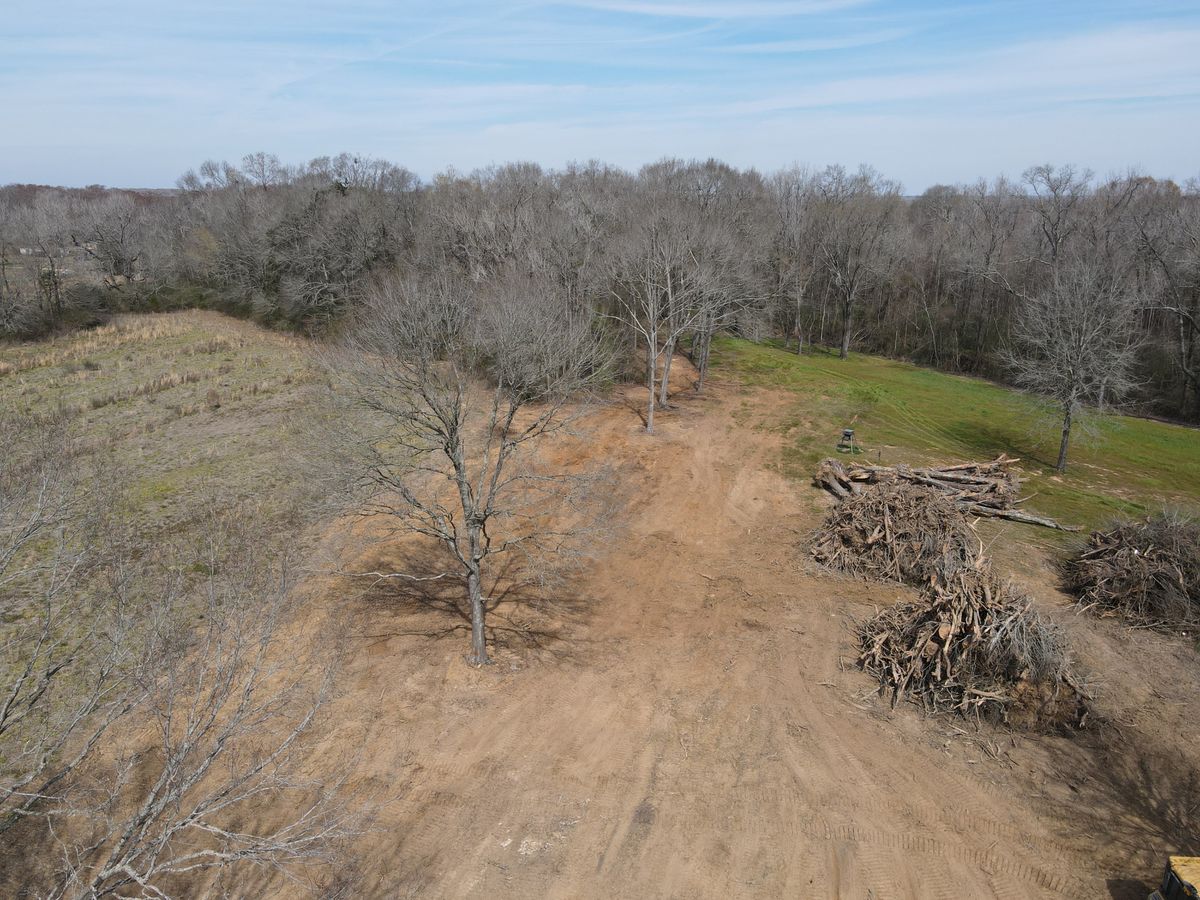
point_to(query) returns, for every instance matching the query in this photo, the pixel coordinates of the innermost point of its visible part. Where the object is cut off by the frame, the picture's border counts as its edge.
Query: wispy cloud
(718, 9)
(819, 44)
(1112, 65)
(135, 91)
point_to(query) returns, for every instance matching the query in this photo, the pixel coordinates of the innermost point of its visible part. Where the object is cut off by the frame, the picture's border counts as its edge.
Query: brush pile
(990, 489)
(972, 643)
(1148, 571)
(896, 532)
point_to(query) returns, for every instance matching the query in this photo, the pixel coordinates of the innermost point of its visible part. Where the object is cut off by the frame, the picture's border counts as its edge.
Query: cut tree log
(989, 489)
(1016, 515)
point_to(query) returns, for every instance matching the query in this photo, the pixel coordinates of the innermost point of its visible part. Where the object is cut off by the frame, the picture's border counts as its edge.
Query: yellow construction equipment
(1181, 879)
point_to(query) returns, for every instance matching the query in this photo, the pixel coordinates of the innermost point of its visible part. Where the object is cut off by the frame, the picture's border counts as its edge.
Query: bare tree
(65, 639)
(1075, 343)
(795, 250)
(100, 647)
(111, 232)
(651, 296)
(674, 269)
(226, 707)
(1060, 193)
(462, 379)
(856, 213)
(1167, 239)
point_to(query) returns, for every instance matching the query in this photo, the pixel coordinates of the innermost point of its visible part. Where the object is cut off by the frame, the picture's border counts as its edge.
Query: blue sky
(133, 92)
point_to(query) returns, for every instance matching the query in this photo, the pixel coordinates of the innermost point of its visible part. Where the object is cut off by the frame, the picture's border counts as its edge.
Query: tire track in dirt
(704, 743)
(979, 859)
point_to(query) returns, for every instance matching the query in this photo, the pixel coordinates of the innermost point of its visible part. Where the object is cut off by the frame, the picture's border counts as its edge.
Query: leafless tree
(651, 297)
(1075, 342)
(462, 378)
(856, 213)
(1060, 193)
(146, 706)
(796, 248)
(1167, 238)
(111, 232)
(65, 641)
(34, 264)
(200, 779)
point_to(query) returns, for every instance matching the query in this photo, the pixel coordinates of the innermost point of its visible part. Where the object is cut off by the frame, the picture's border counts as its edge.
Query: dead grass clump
(1148, 572)
(897, 532)
(146, 389)
(212, 345)
(976, 645)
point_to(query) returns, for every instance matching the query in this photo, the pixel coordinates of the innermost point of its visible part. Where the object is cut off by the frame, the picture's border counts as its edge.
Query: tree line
(818, 258)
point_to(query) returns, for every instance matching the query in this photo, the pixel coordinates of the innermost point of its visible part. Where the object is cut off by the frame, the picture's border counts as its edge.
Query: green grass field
(904, 413)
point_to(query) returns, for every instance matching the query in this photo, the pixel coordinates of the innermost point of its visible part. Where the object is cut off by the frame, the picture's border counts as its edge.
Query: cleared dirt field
(691, 723)
(686, 719)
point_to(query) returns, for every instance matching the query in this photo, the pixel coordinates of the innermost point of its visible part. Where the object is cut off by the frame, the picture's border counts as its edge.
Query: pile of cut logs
(989, 489)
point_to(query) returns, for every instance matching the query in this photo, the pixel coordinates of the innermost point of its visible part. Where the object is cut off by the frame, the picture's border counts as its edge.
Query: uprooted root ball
(1148, 571)
(897, 532)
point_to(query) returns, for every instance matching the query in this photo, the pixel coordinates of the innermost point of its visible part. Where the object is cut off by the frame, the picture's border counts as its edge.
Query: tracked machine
(1181, 879)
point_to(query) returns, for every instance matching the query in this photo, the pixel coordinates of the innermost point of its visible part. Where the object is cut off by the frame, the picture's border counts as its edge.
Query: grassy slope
(916, 415)
(195, 406)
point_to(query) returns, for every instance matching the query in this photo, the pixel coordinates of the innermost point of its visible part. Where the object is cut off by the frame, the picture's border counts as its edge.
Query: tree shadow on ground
(981, 440)
(1139, 800)
(524, 614)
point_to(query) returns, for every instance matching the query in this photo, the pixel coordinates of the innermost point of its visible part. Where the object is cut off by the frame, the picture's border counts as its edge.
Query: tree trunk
(669, 353)
(1061, 465)
(651, 373)
(799, 319)
(705, 339)
(845, 354)
(478, 655)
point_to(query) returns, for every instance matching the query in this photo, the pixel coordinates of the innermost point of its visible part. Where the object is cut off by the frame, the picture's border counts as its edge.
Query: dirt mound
(1148, 571)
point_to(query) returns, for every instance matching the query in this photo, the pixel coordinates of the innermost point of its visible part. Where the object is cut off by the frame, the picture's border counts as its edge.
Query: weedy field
(903, 413)
(193, 407)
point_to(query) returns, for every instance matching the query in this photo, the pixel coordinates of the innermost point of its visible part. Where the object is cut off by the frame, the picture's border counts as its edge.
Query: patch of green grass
(904, 413)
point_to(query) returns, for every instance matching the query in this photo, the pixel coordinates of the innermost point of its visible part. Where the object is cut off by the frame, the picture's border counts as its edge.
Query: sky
(132, 93)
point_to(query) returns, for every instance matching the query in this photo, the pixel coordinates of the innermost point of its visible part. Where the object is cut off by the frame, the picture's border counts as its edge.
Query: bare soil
(687, 719)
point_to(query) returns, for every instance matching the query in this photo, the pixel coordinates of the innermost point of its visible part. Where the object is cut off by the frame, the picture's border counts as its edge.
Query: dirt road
(689, 723)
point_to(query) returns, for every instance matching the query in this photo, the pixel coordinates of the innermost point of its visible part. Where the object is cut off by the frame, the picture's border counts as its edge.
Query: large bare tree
(200, 779)
(460, 379)
(146, 704)
(856, 214)
(1075, 343)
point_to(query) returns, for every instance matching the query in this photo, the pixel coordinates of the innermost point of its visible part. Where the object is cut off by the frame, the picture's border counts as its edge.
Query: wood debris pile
(972, 643)
(975, 645)
(989, 489)
(896, 532)
(1148, 571)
